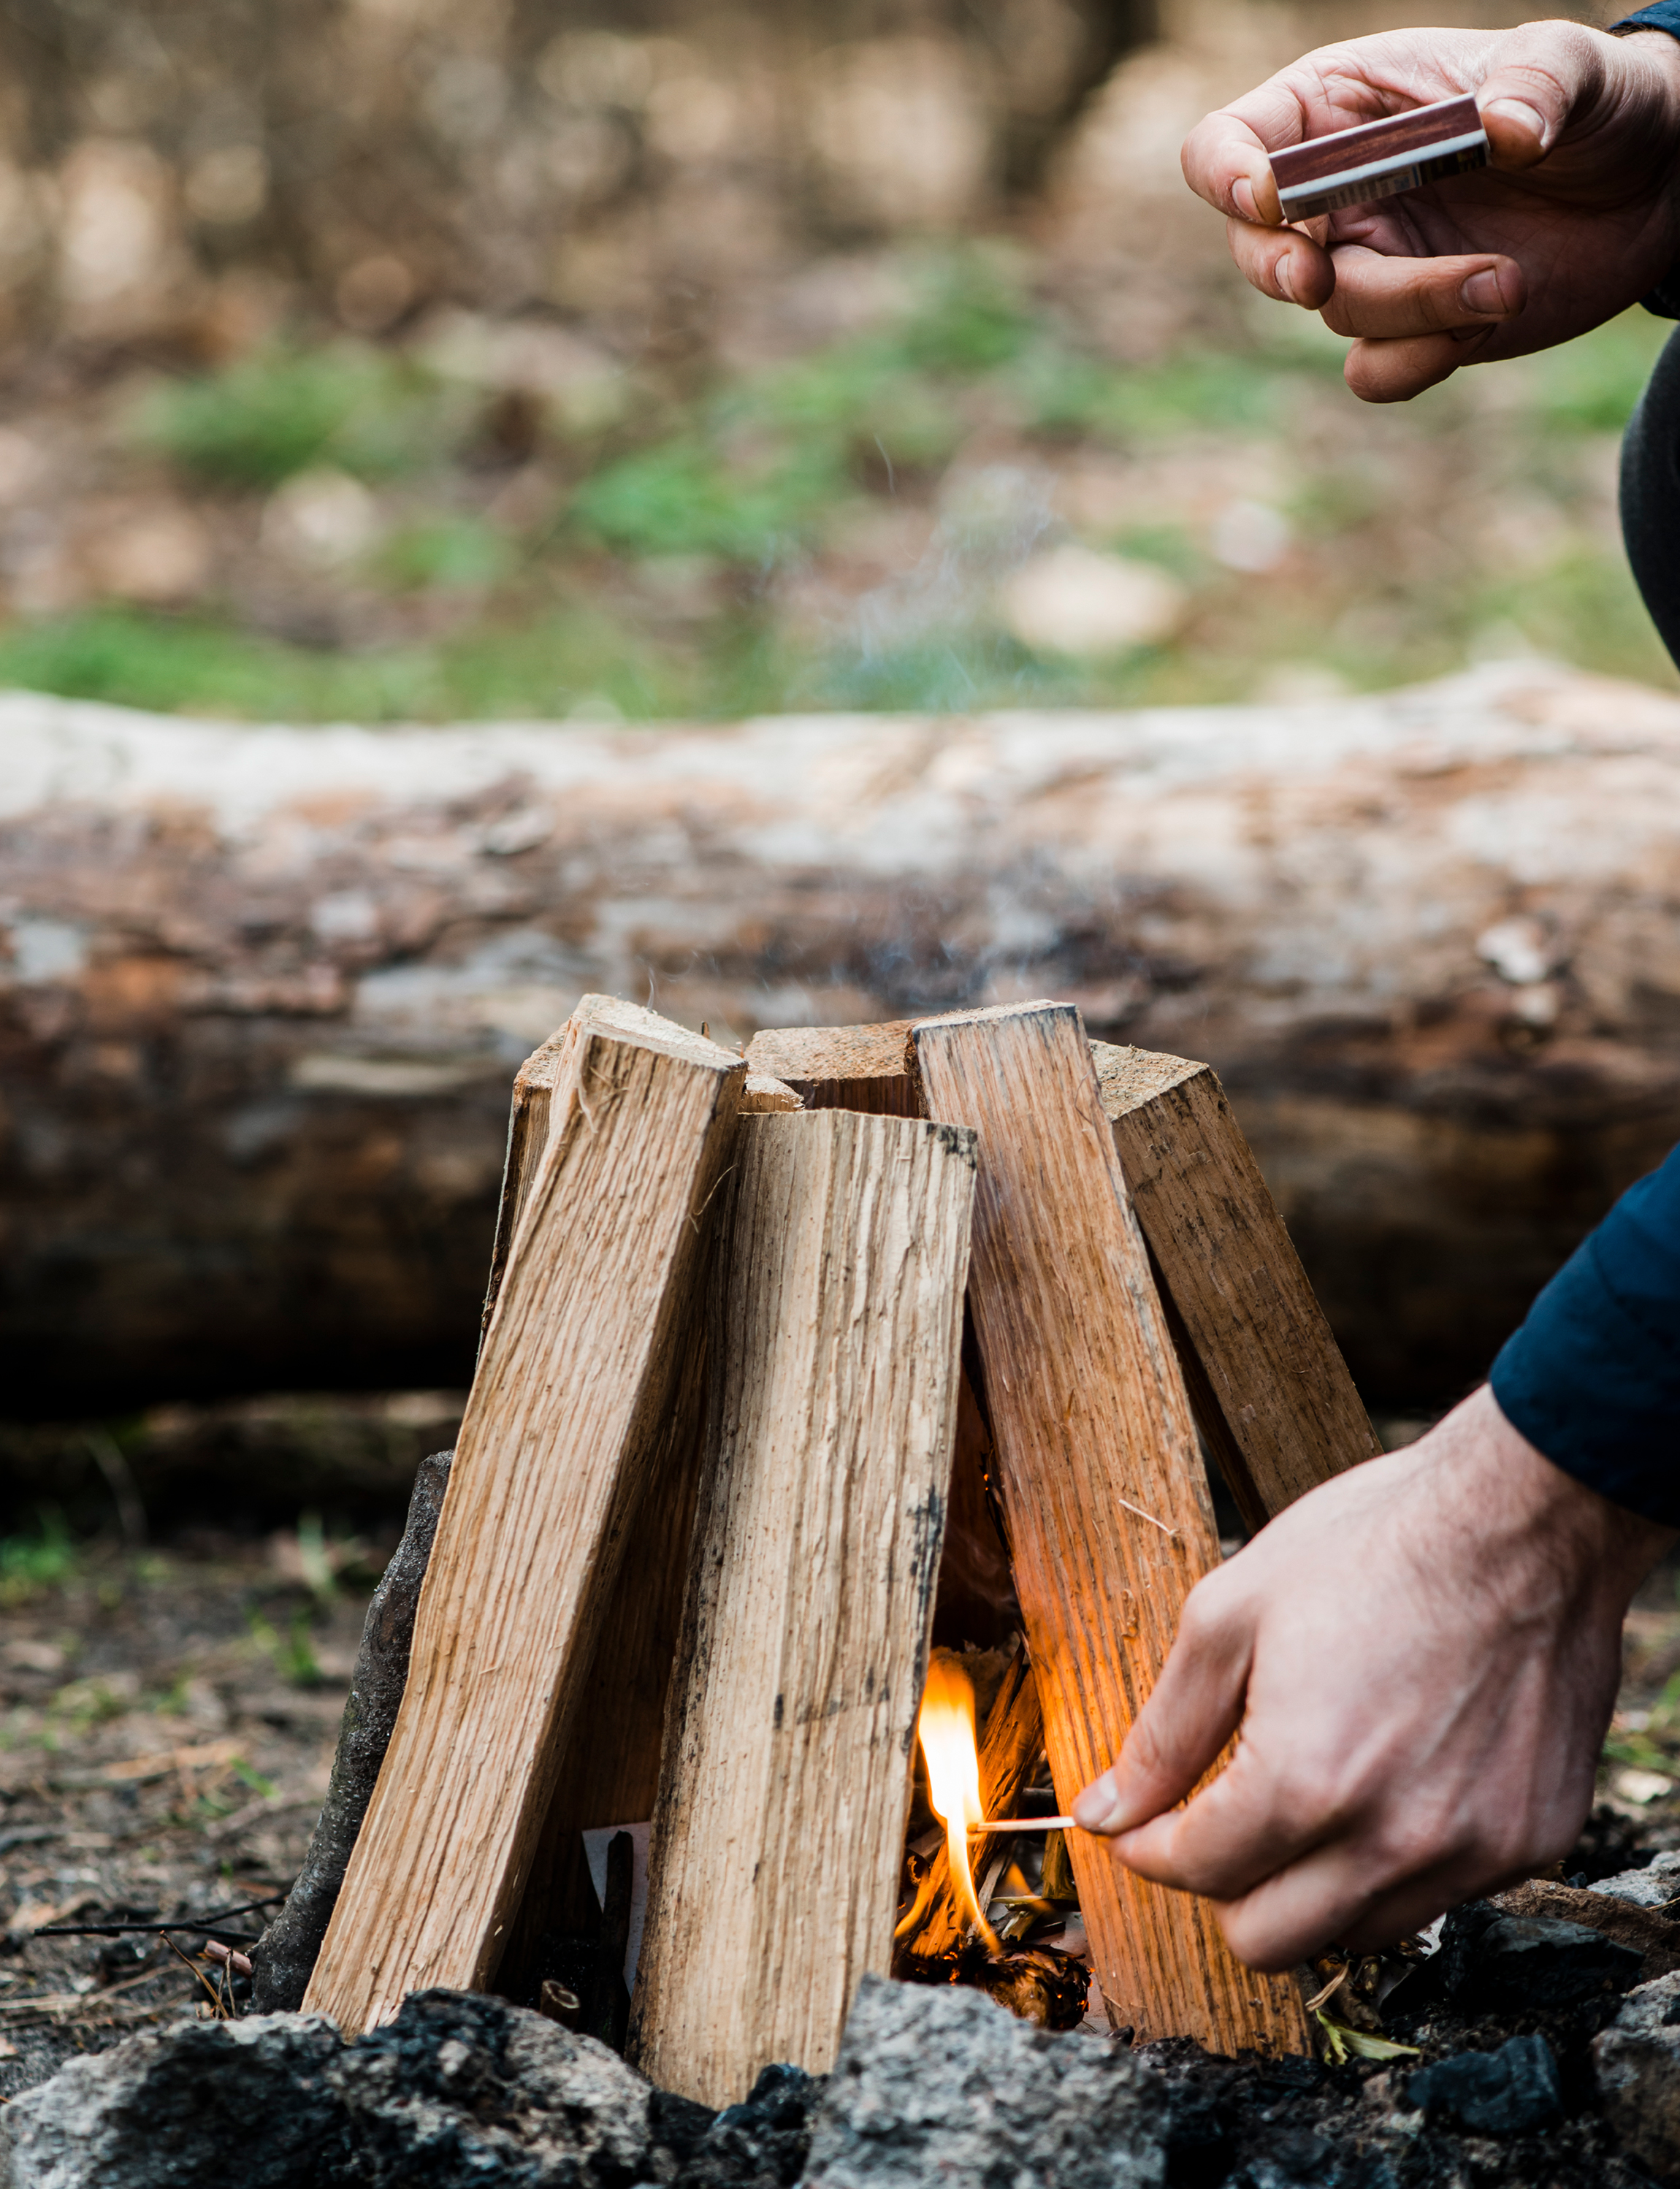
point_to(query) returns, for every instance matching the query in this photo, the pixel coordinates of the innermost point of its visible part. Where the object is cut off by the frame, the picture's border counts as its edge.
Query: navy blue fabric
(1665, 15)
(1592, 1377)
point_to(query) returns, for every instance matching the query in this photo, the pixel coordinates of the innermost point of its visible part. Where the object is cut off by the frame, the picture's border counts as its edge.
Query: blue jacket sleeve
(1592, 1377)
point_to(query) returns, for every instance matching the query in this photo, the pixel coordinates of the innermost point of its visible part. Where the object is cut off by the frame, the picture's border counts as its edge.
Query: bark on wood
(1103, 1488)
(1013, 1742)
(562, 1429)
(1270, 1390)
(263, 991)
(779, 1832)
(284, 1958)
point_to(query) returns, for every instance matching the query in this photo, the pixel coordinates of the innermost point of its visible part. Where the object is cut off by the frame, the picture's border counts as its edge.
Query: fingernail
(1481, 292)
(1284, 275)
(1242, 197)
(1524, 117)
(1099, 1809)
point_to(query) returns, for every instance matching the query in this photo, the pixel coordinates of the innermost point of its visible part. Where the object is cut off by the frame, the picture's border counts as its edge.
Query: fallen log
(567, 1418)
(1101, 1478)
(263, 992)
(785, 1782)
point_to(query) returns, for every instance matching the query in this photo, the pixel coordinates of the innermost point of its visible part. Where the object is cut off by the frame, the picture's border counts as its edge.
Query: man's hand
(1575, 219)
(1423, 1655)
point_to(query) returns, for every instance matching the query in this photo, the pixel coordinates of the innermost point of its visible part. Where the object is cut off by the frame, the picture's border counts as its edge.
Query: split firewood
(1010, 1746)
(1103, 1490)
(527, 1123)
(562, 1429)
(779, 1832)
(857, 1067)
(1270, 1390)
(763, 1093)
(284, 1957)
(869, 1068)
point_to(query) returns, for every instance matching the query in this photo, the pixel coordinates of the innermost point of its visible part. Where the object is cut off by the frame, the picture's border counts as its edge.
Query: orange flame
(946, 1731)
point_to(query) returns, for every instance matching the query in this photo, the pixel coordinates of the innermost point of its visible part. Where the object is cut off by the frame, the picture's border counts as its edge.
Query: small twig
(240, 1964)
(1334, 1985)
(1150, 1517)
(187, 1962)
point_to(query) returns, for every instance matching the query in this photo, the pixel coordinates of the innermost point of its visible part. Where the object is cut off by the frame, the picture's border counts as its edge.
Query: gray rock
(1654, 1886)
(1511, 2092)
(1495, 1964)
(245, 2101)
(459, 2089)
(935, 2084)
(465, 2089)
(1637, 2062)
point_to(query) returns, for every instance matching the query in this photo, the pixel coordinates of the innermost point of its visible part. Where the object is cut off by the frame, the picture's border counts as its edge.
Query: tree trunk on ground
(267, 989)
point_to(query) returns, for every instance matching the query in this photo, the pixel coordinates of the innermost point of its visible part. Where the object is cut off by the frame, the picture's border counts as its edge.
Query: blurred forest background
(378, 359)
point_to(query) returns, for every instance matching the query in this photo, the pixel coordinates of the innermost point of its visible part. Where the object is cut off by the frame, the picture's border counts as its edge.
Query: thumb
(1195, 1706)
(1541, 73)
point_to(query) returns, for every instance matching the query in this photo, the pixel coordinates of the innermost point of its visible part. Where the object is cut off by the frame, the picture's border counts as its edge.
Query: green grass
(754, 475)
(260, 421)
(32, 1564)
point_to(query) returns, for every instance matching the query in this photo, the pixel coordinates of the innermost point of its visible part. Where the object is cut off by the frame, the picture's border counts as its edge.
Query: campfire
(829, 1486)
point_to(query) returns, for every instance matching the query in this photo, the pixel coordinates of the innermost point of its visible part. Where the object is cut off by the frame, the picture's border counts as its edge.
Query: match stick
(1025, 1824)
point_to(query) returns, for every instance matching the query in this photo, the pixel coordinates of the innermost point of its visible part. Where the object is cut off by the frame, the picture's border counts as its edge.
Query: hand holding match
(1427, 249)
(1379, 159)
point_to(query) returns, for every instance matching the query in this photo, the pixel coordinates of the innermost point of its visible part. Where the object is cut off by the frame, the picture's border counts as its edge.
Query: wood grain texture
(527, 1123)
(1270, 1390)
(1012, 1743)
(562, 1426)
(1088, 1409)
(869, 1068)
(855, 1067)
(780, 1828)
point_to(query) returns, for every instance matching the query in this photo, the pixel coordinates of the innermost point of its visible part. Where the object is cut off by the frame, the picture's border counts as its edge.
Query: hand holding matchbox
(1379, 159)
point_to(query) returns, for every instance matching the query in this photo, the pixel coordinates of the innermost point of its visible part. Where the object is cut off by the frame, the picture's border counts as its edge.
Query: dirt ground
(168, 1726)
(167, 1719)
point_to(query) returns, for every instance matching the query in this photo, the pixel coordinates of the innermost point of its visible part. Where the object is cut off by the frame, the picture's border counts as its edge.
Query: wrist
(1596, 1548)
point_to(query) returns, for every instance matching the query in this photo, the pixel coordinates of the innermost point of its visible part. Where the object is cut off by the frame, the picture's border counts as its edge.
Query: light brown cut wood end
(546, 1067)
(850, 1052)
(762, 1093)
(611, 1015)
(983, 1012)
(1129, 1078)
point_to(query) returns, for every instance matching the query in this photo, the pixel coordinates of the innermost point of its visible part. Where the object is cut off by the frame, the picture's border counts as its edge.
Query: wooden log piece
(1104, 1494)
(1270, 1390)
(869, 1068)
(563, 1424)
(762, 1093)
(855, 1067)
(786, 1783)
